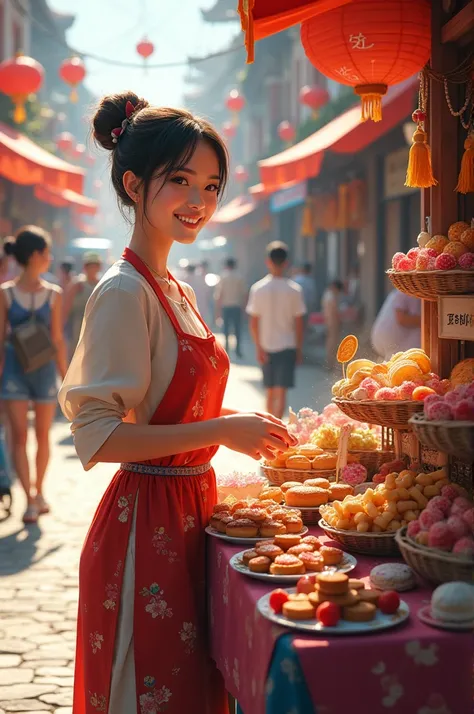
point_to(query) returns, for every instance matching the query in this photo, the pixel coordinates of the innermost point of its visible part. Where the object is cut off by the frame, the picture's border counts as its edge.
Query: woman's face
(178, 209)
(40, 261)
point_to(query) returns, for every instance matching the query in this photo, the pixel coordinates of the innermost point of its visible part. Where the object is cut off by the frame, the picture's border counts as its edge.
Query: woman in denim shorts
(19, 298)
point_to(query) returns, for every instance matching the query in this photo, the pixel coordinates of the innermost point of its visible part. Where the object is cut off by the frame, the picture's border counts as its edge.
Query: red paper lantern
(370, 45)
(19, 77)
(72, 71)
(145, 48)
(78, 151)
(314, 97)
(235, 102)
(65, 141)
(241, 174)
(97, 185)
(286, 131)
(229, 130)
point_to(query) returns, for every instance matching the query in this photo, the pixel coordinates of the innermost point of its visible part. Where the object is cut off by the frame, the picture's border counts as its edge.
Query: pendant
(184, 304)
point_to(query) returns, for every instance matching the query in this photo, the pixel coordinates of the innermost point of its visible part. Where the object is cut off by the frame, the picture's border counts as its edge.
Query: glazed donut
(338, 491)
(317, 482)
(270, 528)
(287, 540)
(298, 463)
(289, 484)
(242, 528)
(312, 561)
(331, 556)
(306, 496)
(260, 564)
(270, 550)
(287, 565)
(293, 524)
(298, 610)
(300, 548)
(273, 493)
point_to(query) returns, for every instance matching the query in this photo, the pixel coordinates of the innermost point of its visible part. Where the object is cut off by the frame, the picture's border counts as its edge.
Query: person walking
(5, 466)
(29, 300)
(397, 327)
(77, 295)
(331, 309)
(230, 297)
(145, 390)
(276, 309)
(304, 278)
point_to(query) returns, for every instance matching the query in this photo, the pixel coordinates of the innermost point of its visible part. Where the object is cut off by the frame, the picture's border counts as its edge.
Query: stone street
(39, 564)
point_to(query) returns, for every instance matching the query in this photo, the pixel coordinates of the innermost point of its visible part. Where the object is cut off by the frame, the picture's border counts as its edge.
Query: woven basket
(372, 460)
(431, 564)
(395, 414)
(279, 476)
(367, 543)
(309, 516)
(428, 284)
(451, 437)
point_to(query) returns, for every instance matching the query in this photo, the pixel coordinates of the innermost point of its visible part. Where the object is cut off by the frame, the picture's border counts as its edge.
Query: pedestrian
(331, 309)
(276, 308)
(397, 327)
(77, 295)
(230, 297)
(145, 390)
(196, 280)
(66, 273)
(5, 468)
(31, 301)
(304, 278)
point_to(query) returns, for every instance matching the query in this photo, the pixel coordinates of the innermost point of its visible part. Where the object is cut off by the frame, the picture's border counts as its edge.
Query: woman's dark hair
(156, 141)
(28, 240)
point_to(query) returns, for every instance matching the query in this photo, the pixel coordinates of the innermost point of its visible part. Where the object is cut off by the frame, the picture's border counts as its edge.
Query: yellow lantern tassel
(73, 97)
(371, 98)
(19, 115)
(466, 174)
(420, 171)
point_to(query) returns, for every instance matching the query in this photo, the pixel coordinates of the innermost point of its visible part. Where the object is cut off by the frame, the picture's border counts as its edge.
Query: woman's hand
(257, 435)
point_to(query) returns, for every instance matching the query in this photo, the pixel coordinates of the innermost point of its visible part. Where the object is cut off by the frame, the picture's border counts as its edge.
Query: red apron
(173, 670)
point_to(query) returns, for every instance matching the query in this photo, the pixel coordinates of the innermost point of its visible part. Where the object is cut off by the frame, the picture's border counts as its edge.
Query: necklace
(182, 303)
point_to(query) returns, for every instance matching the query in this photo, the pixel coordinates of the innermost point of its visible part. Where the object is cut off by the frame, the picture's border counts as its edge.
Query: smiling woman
(145, 388)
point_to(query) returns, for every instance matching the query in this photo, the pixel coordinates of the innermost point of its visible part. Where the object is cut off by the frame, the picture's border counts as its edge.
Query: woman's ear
(132, 184)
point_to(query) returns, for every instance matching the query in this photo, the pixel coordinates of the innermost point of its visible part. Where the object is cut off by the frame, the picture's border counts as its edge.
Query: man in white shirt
(397, 327)
(230, 296)
(276, 308)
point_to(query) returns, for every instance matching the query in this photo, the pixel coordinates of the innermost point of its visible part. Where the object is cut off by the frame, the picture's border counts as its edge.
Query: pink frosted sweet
(386, 394)
(468, 518)
(396, 260)
(464, 546)
(440, 536)
(452, 398)
(371, 386)
(466, 261)
(405, 390)
(405, 264)
(439, 503)
(449, 492)
(464, 410)
(354, 474)
(457, 527)
(469, 393)
(460, 504)
(445, 261)
(413, 253)
(429, 518)
(432, 399)
(438, 411)
(413, 529)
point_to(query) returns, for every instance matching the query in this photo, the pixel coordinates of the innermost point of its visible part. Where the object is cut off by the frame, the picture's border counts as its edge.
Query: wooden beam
(459, 25)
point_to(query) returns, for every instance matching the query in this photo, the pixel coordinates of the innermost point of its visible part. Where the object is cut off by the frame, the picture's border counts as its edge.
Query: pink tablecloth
(412, 669)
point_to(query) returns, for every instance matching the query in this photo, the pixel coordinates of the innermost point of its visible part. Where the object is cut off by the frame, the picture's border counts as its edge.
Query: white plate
(348, 564)
(245, 541)
(425, 616)
(380, 622)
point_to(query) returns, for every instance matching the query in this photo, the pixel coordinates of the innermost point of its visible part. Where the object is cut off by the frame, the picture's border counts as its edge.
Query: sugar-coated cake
(453, 602)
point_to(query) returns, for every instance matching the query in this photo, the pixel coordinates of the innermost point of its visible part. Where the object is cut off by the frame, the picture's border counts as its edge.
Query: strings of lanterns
(314, 97)
(20, 76)
(286, 131)
(72, 71)
(145, 49)
(235, 102)
(241, 174)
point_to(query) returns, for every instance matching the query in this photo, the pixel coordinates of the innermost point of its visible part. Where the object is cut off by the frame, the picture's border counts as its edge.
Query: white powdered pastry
(392, 576)
(453, 602)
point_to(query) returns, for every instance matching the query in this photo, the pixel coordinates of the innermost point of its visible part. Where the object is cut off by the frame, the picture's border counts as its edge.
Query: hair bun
(9, 246)
(110, 114)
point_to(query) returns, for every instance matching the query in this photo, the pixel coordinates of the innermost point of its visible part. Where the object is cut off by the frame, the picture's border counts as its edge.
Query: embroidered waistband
(166, 470)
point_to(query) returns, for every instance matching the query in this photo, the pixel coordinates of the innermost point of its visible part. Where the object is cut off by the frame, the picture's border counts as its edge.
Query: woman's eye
(212, 187)
(179, 180)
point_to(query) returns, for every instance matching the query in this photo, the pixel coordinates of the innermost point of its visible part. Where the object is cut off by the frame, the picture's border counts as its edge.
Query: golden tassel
(466, 174)
(371, 97)
(420, 171)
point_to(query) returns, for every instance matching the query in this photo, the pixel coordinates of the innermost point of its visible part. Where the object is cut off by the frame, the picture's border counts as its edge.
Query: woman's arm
(57, 334)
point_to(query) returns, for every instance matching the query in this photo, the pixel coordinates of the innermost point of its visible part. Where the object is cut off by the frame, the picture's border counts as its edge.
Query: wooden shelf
(461, 24)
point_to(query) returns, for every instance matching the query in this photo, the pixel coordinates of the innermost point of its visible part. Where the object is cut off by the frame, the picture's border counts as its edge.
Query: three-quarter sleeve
(110, 372)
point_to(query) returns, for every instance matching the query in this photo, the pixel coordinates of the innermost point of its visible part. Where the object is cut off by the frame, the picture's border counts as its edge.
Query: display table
(412, 668)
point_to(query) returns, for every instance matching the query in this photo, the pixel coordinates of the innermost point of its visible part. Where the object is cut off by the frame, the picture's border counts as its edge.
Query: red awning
(344, 135)
(260, 191)
(66, 198)
(261, 18)
(24, 162)
(235, 209)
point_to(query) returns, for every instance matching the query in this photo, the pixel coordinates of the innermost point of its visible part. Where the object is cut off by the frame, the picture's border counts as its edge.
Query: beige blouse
(125, 358)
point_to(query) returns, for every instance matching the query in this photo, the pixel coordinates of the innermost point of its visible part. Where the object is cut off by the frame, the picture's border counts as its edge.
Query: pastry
(453, 602)
(223, 523)
(287, 565)
(221, 508)
(312, 562)
(298, 610)
(360, 612)
(371, 596)
(293, 524)
(393, 576)
(270, 550)
(239, 504)
(258, 515)
(248, 555)
(349, 598)
(273, 493)
(309, 450)
(300, 548)
(306, 496)
(324, 462)
(289, 484)
(331, 556)
(216, 518)
(333, 583)
(298, 463)
(317, 482)
(312, 540)
(242, 528)
(260, 564)
(286, 540)
(267, 503)
(355, 584)
(280, 514)
(338, 491)
(270, 528)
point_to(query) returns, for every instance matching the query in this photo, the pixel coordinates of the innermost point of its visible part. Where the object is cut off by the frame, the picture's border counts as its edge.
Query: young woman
(145, 388)
(20, 298)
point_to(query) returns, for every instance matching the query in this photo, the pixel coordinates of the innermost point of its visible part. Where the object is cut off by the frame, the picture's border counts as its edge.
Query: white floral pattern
(192, 371)
(96, 640)
(204, 488)
(188, 635)
(160, 542)
(98, 701)
(225, 586)
(427, 656)
(436, 705)
(188, 523)
(235, 674)
(249, 631)
(95, 546)
(157, 605)
(111, 596)
(124, 504)
(118, 569)
(185, 346)
(213, 361)
(152, 702)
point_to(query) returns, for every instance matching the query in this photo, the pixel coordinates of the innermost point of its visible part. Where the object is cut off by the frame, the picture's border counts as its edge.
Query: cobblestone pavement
(38, 564)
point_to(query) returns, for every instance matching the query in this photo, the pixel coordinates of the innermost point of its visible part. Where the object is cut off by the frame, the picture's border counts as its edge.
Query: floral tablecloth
(412, 669)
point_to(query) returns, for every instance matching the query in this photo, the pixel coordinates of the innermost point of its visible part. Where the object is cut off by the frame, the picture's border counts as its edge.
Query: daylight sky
(112, 28)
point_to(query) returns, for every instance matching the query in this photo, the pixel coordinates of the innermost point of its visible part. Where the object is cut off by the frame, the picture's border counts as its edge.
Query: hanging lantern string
(462, 74)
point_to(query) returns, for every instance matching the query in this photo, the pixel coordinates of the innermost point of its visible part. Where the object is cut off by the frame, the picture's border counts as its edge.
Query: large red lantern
(145, 49)
(370, 45)
(229, 130)
(65, 141)
(286, 131)
(235, 102)
(72, 71)
(19, 77)
(314, 98)
(241, 174)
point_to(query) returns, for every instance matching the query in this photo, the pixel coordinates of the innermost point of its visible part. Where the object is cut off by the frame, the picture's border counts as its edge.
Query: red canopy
(66, 198)
(235, 209)
(260, 18)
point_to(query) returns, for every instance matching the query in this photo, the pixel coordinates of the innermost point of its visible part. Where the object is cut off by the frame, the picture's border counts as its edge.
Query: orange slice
(347, 349)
